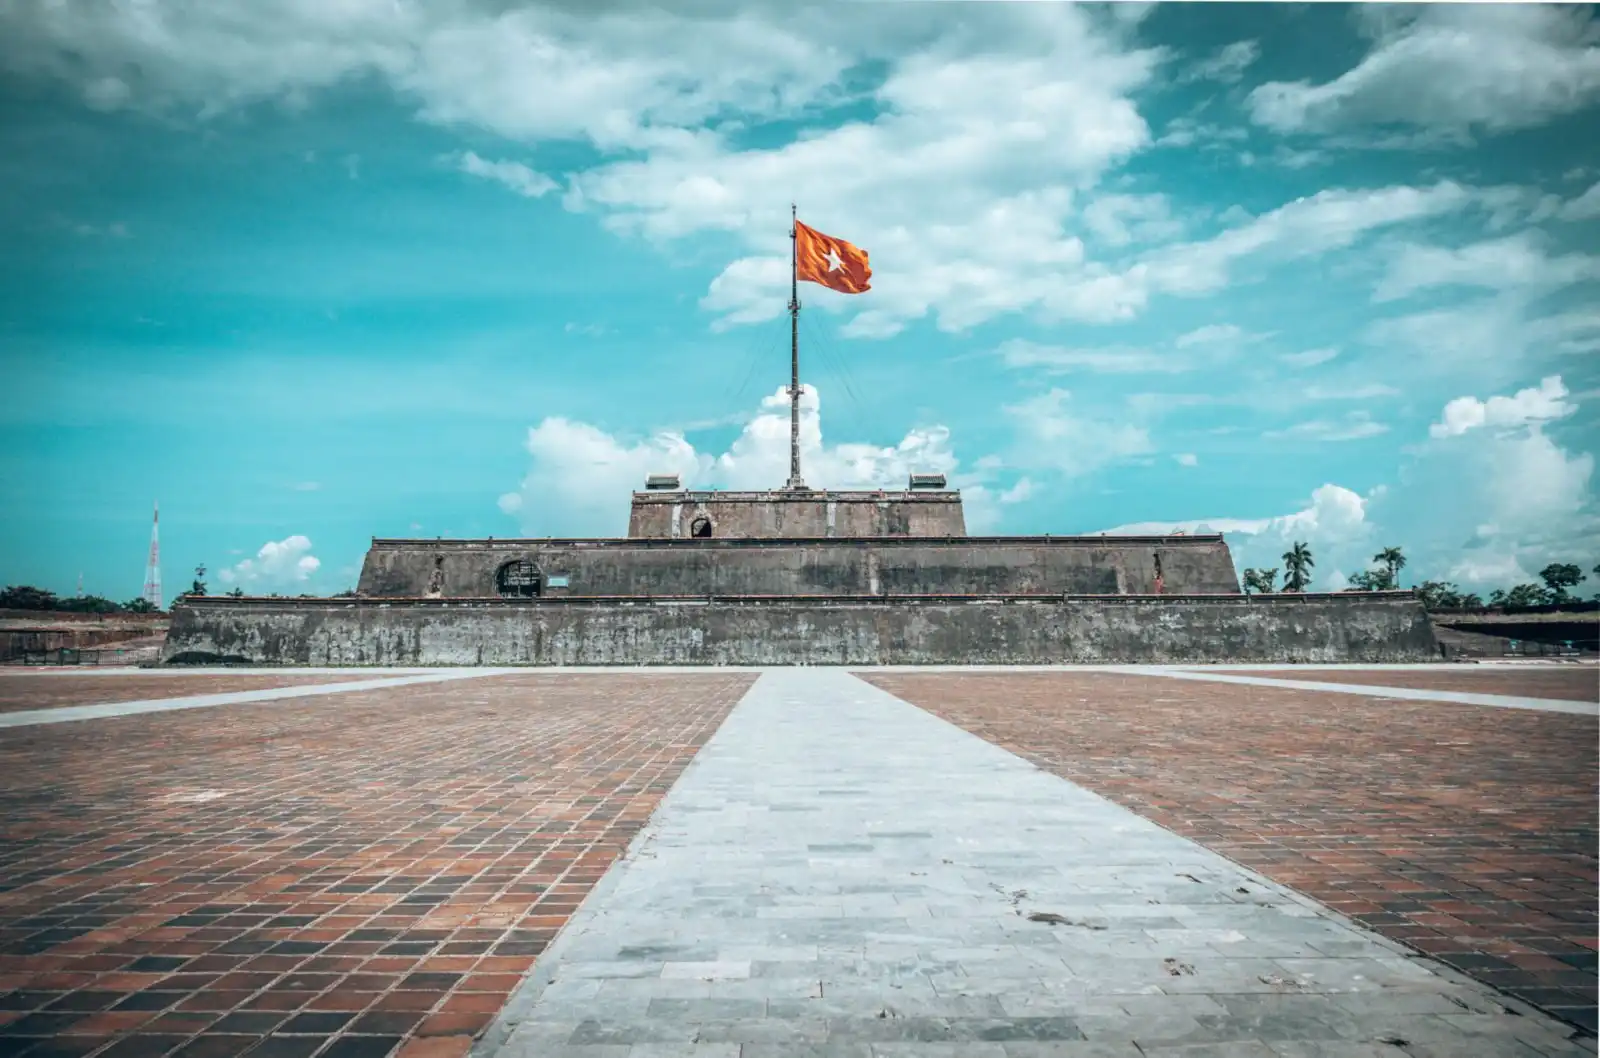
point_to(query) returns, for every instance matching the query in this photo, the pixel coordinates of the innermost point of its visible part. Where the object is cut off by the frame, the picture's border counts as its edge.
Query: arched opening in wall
(701, 526)
(518, 580)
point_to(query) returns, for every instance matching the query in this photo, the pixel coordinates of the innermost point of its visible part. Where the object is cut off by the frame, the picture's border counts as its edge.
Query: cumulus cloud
(972, 168)
(1528, 407)
(582, 476)
(1116, 220)
(279, 564)
(514, 175)
(1487, 501)
(1494, 67)
(1334, 524)
(1045, 270)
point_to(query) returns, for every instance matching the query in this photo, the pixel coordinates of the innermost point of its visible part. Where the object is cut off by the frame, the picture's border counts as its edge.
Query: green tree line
(1557, 581)
(27, 597)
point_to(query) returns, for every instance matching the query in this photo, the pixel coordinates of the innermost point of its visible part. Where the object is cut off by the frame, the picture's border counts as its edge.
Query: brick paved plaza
(364, 872)
(42, 690)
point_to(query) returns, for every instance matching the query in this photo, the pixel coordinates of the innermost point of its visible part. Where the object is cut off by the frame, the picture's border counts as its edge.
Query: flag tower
(152, 570)
(795, 480)
(829, 262)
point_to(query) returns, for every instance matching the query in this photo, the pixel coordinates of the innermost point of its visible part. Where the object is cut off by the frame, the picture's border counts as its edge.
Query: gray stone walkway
(1415, 694)
(840, 873)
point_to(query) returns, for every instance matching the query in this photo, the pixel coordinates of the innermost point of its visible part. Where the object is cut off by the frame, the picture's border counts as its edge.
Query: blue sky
(316, 272)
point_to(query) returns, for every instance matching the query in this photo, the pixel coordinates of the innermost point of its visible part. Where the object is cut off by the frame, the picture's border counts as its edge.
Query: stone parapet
(883, 566)
(800, 630)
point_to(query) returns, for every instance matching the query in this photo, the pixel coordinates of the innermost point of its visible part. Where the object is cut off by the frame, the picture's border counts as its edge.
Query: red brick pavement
(1466, 832)
(1573, 683)
(347, 877)
(45, 690)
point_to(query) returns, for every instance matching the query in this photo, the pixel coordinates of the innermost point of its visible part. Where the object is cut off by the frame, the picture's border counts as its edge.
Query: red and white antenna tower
(152, 572)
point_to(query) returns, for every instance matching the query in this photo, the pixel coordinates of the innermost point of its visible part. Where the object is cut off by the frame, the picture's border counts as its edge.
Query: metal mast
(795, 481)
(152, 571)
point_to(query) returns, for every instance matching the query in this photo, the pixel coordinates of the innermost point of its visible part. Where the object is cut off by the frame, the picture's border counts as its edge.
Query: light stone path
(68, 713)
(1500, 701)
(840, 873)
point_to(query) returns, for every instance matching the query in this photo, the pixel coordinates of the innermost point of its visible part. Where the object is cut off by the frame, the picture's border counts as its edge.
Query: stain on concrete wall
(1197, 565)
(1312, 629)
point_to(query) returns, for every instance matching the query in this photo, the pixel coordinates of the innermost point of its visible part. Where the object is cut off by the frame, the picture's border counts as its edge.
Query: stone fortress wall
(1021, 630)
(800, 577)
(886, 566)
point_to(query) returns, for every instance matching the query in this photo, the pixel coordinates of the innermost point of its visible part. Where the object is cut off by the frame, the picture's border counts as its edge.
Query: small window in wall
(701, 526)
(518, 580)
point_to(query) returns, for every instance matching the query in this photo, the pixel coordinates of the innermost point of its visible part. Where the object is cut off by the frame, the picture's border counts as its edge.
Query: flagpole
(795, 481)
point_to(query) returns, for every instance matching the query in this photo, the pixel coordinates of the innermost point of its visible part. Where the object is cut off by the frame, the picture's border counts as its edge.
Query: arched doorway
(518, 580)
(701, 526)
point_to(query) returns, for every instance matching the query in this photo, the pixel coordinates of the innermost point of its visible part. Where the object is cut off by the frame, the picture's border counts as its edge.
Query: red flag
(834, 263)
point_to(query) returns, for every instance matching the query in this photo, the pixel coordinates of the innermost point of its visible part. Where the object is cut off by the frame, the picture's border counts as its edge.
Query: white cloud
(1334, 524)
(1189, 131)
(1329, 220)
(1053, 434)
(1227, 64)
(1309, 358)
(1484, 508)
(1369, 391)
(1203, 348)
(1511, 262)
(514, 175)
(1490, 507)
(1355, 426)
(279, 563)
(1492, 340)
(1018, 493)
(1527, 407)
(1585, 207)
(1021, 353)
(1212, 333)
(1450, 66)
(1187, 459)
(972, 172)
(582, 476)
(1117, 220)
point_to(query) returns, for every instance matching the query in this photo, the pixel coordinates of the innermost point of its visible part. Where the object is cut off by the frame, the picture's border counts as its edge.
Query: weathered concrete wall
(1198, 565)
(1387, 627)
(790, 515)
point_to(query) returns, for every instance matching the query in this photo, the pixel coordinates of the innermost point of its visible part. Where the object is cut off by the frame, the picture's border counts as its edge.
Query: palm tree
(1297, 565)
(1392, 560)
